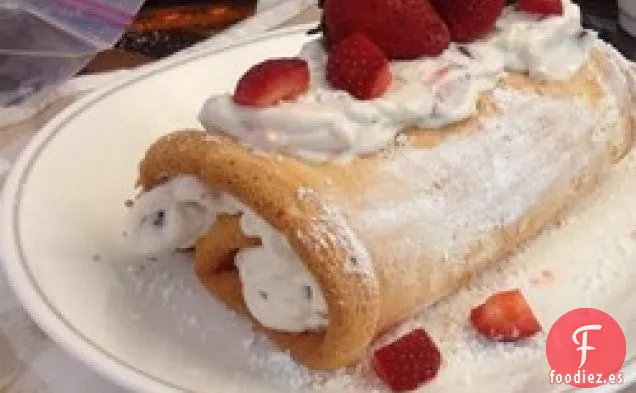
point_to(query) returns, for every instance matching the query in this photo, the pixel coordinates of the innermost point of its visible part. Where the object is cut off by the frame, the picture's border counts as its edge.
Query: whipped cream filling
(173, 215)
(279, 291)
(326, 123)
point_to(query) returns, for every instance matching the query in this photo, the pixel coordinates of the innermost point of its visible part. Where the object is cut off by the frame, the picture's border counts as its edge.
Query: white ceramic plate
(147, 324)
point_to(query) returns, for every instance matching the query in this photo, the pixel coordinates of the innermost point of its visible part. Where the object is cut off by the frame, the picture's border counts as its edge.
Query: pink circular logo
(586, 348)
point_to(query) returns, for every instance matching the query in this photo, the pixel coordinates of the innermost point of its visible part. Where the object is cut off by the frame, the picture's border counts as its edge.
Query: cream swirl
(548, 48)
(172, 215)
(278, 289)
(326, 123)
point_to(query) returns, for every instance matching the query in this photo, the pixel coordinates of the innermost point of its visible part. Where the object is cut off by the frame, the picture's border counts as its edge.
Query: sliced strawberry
(272, 81)
(506, 316)
(469, 20)
(543, 7)
(403, 29)
(358, 66)
(408, 362)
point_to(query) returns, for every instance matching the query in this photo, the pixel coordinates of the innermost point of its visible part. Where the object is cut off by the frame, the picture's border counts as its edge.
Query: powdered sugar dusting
(331, 228)
(278, 366)
(585, 261)
(448, 199)
(543, 271)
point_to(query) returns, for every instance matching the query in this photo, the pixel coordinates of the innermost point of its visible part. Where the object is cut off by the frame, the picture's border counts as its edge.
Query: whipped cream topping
(278, 289)
(326, 123)
(548, 48)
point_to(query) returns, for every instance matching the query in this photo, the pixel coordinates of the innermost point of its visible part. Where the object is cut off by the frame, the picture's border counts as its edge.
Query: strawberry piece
(469, 20)
(403, 29)
(409, 362)
(543, 7)
(272, 81)
(505, 316)
(358, 66)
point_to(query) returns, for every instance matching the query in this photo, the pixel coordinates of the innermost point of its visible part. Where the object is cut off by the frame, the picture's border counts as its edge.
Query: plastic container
(45, 42)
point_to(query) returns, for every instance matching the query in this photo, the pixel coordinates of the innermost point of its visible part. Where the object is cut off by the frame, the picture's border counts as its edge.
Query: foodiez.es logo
(586, 348)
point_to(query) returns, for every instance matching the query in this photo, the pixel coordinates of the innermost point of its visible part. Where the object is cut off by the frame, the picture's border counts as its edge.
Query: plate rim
(33, 300)
(15, 265)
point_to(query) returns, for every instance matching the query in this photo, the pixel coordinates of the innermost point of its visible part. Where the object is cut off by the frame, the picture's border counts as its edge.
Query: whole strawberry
(403, 29)
(469, 20)
(358, 66)
(409, 362)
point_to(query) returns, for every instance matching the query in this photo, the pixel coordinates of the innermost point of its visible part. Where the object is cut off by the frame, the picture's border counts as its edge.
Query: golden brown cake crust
(322, 210)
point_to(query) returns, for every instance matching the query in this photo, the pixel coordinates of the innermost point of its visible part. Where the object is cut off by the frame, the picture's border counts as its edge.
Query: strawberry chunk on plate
(505, 316)
(409, 362)
(272, 81)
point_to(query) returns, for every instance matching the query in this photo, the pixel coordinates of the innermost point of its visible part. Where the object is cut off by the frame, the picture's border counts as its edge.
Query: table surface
(29, 361)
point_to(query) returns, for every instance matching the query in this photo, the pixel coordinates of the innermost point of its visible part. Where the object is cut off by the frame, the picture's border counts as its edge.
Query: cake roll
(327, 221)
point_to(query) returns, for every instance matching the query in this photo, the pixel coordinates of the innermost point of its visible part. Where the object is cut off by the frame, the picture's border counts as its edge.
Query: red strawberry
(469, 20)
(544, 7)
(358, 66)
(506, 316)
(403, 29)
(408, 362)
(272, 81)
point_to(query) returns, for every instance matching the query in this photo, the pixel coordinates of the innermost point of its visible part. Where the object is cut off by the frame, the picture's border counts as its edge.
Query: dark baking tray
(167, 26)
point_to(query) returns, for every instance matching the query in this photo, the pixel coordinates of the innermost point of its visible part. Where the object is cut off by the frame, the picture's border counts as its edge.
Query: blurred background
(163, 27)
(44, 55)
(166, 26)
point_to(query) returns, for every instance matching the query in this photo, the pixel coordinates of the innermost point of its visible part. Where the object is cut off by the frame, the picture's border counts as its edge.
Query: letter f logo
(583, 344)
